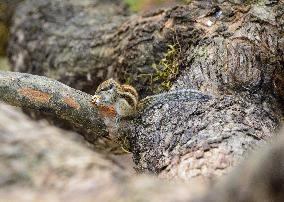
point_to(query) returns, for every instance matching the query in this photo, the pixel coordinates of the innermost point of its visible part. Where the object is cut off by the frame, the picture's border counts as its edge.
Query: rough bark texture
(233, 52)
(63, 102)
(241, 53)
(44, 163)
(185, 138)
(69, 41)
(214, 41)
(258, 179)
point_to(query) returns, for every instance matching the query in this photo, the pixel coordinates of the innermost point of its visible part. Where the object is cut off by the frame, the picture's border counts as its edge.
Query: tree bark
(82, 44)
(231, 52)
(78, 55)
(258, 179)
(200, 138)
(41, 162)
(50, 96)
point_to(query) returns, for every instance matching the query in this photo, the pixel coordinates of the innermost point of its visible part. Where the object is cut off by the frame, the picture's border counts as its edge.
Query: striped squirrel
(121, 100)
(115, 101)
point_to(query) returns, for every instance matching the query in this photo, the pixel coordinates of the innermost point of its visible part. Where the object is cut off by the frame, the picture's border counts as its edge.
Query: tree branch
(204, 137)
(203, 112)
(48, 95)
(259, 178)
(66, 171)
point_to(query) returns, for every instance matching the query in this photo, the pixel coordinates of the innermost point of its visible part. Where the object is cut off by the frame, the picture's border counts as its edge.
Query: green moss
(135, 5)
(186, 1)
(4, 64)
(166, 70)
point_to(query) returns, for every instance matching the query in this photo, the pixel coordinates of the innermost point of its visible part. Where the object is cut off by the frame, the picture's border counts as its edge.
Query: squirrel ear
(113, 84)
(107, 85)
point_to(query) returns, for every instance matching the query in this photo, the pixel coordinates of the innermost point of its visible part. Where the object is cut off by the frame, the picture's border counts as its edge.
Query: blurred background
(6, 12)
(7, 7)
(143, 5)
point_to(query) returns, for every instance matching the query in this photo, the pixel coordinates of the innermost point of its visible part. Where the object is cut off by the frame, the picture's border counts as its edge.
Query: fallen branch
(48, 95)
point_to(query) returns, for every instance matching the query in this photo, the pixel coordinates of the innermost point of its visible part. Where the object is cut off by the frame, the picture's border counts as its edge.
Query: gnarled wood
(41, 162)
(231, 51)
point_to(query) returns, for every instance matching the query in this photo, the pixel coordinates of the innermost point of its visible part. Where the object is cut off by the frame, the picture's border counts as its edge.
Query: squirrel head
(106, 93)
(112, 97)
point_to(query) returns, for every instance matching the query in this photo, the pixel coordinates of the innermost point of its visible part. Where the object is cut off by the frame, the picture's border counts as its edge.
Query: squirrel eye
(110, 86)
(106, 86)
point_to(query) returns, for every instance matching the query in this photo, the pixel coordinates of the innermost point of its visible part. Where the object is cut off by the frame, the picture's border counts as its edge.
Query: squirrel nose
(96, 99)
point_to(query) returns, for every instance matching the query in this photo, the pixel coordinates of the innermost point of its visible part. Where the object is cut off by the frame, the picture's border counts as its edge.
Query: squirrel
(121, 100)
(115, 99)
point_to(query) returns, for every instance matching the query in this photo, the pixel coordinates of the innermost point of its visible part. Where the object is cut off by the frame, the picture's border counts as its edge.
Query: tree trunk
(41, 162)
(231, 54)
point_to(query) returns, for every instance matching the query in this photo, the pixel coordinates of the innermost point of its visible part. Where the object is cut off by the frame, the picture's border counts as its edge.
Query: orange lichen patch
(35, 95)
(71, 102)
(107, 111)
